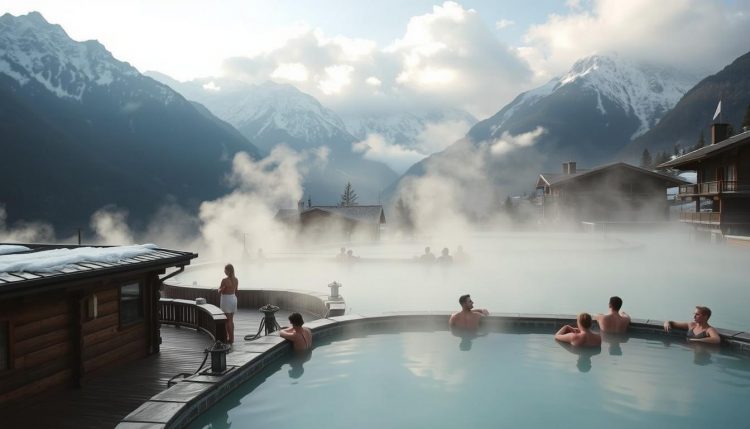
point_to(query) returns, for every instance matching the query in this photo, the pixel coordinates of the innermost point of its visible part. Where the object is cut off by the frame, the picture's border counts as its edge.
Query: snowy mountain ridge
(31, 49)
(643, 91)
(403, 128)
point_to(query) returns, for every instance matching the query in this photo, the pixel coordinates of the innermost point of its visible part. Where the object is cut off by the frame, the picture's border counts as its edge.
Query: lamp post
(334, 290)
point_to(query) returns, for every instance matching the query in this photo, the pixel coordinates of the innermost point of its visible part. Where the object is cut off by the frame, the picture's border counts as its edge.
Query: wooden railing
(205, 317)
(701, 217)
(713, 188)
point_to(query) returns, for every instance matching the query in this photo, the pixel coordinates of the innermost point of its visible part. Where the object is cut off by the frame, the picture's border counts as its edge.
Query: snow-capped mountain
(593, 110)
(681, 127)
(404, 128)
(33, 50)
(587, 115)
(82, 130)
(271, 114)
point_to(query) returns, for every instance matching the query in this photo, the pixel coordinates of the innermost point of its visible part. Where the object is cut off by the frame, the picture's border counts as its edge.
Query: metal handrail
(205, 317)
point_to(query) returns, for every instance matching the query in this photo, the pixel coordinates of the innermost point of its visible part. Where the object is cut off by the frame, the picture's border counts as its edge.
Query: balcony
(705, 218)
(714, 188)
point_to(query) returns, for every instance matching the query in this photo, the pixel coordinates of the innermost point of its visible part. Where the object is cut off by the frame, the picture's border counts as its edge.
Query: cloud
(447, 57)
(437, 136)
(713, 32)
(504, 23)
(507, 142)
(294, 72)
(211, 86)
(398, 157)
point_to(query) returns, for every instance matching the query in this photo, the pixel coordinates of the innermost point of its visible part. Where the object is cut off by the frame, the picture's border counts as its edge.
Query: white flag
(718, 110)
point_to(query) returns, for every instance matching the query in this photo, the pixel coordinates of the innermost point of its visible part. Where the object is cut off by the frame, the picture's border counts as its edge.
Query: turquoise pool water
(527, 380)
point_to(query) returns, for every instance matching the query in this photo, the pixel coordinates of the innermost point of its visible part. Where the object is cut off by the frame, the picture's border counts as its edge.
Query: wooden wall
(53, 341)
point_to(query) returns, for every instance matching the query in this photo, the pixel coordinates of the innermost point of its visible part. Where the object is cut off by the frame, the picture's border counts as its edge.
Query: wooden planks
(108, 397)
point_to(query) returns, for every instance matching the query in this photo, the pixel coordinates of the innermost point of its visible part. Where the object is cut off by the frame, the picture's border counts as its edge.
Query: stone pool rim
(178, 406)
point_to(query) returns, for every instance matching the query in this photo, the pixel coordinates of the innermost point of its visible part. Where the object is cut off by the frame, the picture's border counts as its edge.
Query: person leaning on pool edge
(300, 336)
(580, 336)
(468, 317)
(698, 330)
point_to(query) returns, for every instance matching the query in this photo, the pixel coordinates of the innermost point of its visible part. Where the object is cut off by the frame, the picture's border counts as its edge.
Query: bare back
(586, 339)
(465, 319)
(301, 337)
(229, 286)
(613, 323)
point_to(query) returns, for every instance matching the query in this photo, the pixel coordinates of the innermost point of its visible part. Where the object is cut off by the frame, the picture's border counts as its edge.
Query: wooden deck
(103, 401)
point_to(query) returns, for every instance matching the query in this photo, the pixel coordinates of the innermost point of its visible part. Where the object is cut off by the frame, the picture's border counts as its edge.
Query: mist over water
(658, 275)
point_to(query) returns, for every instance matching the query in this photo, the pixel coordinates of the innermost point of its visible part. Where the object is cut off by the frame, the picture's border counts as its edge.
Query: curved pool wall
(179, 405)
(305, 302)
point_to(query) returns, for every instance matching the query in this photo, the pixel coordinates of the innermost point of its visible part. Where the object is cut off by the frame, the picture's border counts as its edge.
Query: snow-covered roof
(46, 264)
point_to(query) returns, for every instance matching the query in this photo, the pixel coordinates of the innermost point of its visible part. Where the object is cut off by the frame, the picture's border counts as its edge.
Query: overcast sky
(477, 55)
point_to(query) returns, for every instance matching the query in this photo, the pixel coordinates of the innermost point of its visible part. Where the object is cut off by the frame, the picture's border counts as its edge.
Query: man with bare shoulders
(580, 336)
(616, 322)
(300, 337)
(468, 317)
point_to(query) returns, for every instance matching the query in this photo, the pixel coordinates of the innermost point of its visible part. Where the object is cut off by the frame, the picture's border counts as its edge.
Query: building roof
(37, 266)
(558, 178)
(370, 214)
(707, 151)
(287, 214)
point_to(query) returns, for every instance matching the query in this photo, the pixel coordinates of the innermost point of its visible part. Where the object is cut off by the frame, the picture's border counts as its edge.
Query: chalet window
(131, 303)
(4, 346)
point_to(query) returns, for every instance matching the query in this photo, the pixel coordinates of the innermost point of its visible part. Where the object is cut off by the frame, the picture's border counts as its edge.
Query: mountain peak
(36, 51)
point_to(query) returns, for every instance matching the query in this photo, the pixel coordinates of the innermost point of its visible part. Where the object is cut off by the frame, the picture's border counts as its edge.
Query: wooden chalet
(721, 195)
(614, 193)
(65, 320)
(336, 221)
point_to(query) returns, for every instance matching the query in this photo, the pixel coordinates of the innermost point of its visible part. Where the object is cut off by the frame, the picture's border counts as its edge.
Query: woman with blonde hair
(228, 299)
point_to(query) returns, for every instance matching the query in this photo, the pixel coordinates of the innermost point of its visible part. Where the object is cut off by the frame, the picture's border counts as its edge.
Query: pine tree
(349, 197)
(746, 121)
(646, 161)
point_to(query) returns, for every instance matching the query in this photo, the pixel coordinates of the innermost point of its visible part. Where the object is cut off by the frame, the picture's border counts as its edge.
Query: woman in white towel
(228, 301)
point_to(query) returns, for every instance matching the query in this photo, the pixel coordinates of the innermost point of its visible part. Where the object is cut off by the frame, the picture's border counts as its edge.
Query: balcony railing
(205, 317)
(713, 188)
(713, 218)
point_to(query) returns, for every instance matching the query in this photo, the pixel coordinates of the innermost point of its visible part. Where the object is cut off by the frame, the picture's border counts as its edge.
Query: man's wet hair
(463, 298)
(585, 320)
(616, 303)
(296, 319)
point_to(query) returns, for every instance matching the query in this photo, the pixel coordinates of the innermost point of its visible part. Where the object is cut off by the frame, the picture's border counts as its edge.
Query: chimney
(569, 167)
(719, 132)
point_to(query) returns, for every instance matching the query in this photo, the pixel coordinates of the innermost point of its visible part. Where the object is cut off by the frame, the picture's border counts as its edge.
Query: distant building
(613, 193)
(336, 222)
(721, 195)
(64, 322)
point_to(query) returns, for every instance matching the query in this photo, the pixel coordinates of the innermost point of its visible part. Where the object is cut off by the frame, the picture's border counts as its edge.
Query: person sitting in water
(350, 258)
(300, 336)
(580, 336)
(698, 330)
(468, 317)
(616, 322)
(428, 256)
(445, 257)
